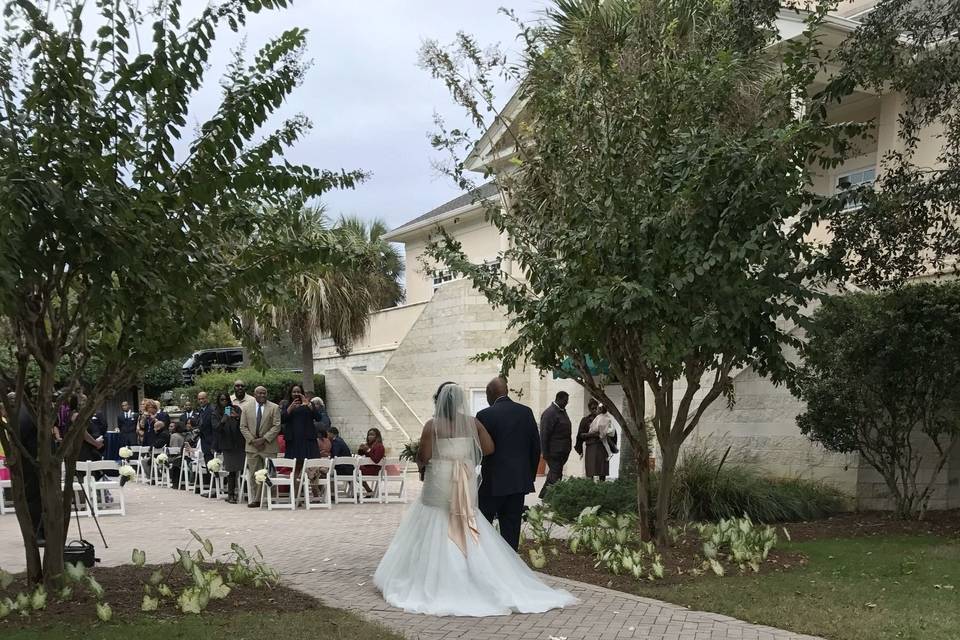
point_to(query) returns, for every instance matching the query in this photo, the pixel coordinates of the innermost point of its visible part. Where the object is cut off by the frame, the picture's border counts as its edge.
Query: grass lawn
(883, 588)
(318, 624)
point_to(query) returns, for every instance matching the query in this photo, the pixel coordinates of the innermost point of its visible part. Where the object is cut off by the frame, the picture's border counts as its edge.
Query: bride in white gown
(445, 558)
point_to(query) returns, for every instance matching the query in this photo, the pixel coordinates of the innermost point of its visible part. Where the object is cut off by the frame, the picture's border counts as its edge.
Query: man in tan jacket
(260, 426)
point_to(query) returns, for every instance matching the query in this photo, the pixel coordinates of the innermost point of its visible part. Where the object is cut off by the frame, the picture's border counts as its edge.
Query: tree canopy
(105, 210)
(658, 205)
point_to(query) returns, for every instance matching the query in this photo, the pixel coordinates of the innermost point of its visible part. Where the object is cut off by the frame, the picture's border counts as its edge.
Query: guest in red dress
(373, 449)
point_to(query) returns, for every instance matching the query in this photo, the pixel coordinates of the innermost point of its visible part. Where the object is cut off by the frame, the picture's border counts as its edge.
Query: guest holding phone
(299, 431)
(226, 418)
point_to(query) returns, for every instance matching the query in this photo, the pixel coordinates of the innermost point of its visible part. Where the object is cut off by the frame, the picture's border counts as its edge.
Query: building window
(439, 277)
(445, 275)
(493, 266)
(855, 180)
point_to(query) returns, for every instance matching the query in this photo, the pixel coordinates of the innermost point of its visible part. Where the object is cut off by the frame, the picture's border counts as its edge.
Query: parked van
(224, 359)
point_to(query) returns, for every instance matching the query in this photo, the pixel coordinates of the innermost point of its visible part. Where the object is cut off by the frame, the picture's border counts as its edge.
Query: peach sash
(463, 516)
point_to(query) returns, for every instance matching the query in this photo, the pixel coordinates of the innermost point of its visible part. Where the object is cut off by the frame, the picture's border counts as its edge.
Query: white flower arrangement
(126, 452)
(260, 476)
(161, 459)
(128, 472)
(214, 465)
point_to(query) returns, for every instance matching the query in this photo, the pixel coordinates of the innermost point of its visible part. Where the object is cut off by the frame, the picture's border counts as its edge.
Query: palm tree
(333, 297)
(390, 262)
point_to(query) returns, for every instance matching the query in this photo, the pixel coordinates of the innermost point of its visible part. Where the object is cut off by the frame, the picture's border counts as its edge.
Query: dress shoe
(253, 505)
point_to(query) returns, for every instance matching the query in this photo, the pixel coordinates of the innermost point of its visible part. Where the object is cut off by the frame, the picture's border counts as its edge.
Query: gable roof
(482, 192)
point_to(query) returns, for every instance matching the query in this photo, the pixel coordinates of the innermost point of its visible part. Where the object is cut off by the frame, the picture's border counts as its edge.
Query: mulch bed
(876, 523)
(679, 562)
(687, 554)
(123, 590)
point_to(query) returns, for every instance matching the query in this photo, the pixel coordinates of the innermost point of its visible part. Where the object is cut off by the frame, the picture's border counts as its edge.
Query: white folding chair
(105, 493)
(81, 507)
(137, 459)
(321, 472)
(5, 486)
(186, 471)
(394, 473)
(278, 481)
(203, 482)
(242, 485)
(373, 480)
(159, 474)
(348, 478)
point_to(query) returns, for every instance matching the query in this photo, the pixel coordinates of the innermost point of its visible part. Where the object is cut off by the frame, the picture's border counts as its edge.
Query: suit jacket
(555, 436)
(512, 467)
(205, 422)
(127, 425)
(269, 428)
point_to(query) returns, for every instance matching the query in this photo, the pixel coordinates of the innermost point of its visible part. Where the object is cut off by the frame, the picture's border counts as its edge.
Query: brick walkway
(332, 554)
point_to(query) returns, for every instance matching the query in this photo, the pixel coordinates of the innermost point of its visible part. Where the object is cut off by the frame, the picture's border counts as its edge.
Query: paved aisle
(332, 555)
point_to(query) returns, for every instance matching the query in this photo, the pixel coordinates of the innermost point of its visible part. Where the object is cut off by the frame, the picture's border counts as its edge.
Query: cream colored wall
(480, 241)
(387, 329)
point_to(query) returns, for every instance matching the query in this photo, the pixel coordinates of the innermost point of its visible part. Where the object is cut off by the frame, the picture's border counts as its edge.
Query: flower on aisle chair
(214, 465)
(126, 452)
(161, 459)
(127, 473)
(260, 475)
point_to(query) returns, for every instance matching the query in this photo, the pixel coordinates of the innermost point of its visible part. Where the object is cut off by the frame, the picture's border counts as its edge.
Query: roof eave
(402, 233)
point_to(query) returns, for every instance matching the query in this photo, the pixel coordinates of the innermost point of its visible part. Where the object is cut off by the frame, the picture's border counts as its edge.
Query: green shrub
(568, 498)
(277, 381)
(163, 376)
(705, 491)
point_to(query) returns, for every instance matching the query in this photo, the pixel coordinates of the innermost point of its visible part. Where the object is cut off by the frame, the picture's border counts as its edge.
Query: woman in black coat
(225, 421)
(299, 430)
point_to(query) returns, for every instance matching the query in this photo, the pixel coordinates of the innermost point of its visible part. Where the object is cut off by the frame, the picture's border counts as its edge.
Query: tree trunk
(51, 495)
(306, 354)
(628, 461)
(668, 470)
(643, 493)
(28, 531)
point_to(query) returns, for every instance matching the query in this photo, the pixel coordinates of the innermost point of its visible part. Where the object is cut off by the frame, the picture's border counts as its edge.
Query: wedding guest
(206, 423)
(299, 420)
(373, 449)
(322, 421)
(555, 445)
(127, 425)
(260, 426)
(161, 435)
(602, 427)
(339, 449)
(230, 442)
(595, 462)
(324, 443)
(177, 441)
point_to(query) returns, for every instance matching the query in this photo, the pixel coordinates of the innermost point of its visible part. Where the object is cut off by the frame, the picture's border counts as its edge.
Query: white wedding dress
(425, 570)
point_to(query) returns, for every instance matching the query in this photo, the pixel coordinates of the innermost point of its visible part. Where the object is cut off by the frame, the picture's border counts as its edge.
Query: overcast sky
(371, 105)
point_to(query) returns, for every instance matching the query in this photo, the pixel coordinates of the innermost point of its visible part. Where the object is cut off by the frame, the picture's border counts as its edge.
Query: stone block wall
(353, 411)
(455, 326)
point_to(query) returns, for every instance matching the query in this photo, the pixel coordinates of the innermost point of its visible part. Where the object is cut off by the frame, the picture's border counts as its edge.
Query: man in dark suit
(509, 472)
(127, 425)
(202, 418)
(555, 438)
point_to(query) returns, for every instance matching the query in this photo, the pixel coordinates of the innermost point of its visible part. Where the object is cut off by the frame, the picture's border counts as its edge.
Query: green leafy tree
(326, 297)
(658, 207)
(108, 198)
(881, 377)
